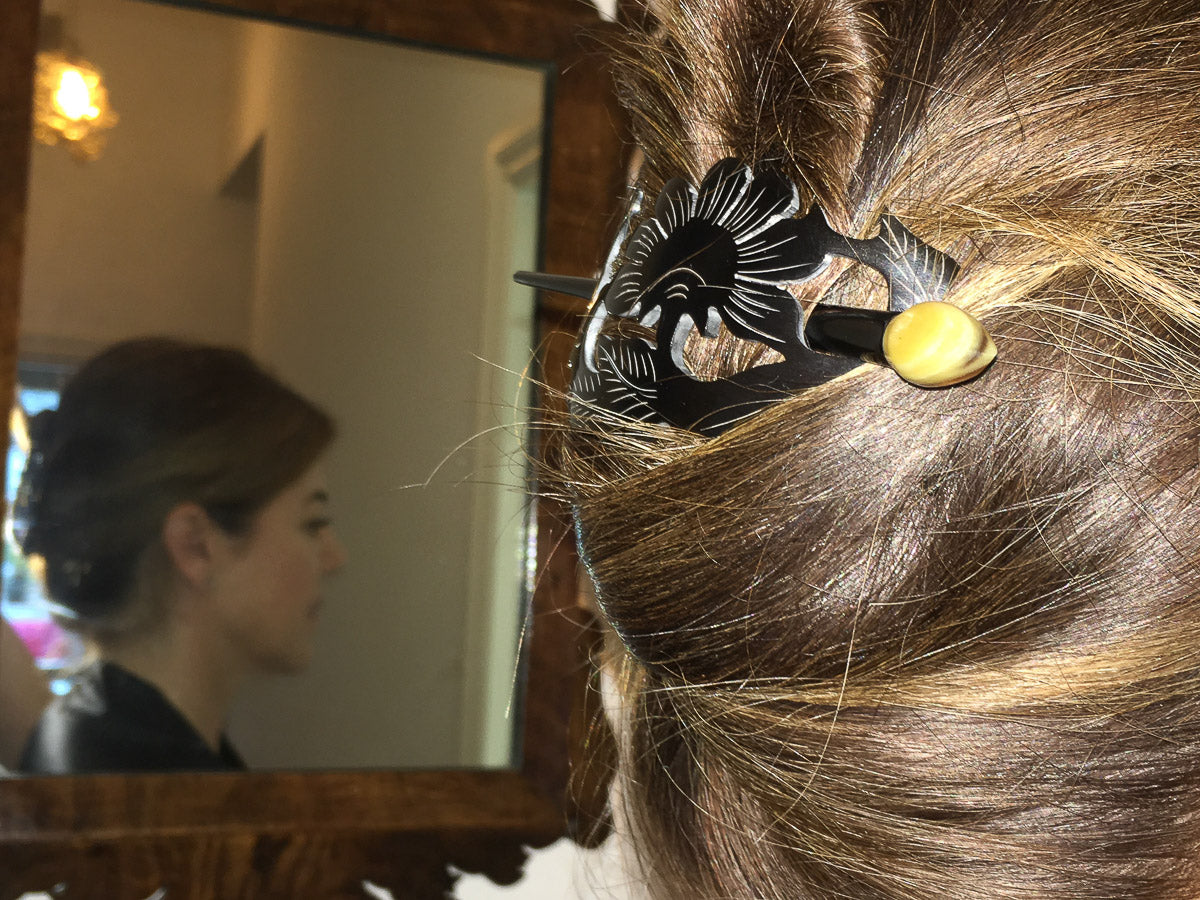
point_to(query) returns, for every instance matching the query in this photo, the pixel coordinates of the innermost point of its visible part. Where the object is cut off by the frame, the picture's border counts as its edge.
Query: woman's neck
(182, 664)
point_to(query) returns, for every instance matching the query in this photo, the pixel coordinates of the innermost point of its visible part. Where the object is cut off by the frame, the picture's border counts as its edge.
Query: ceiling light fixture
(70, 102)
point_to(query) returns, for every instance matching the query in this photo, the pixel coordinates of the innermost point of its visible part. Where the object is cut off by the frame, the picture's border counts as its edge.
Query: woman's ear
(187, 534)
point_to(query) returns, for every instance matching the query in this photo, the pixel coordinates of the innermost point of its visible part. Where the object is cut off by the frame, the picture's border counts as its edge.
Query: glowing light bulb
(74, 96)
(70, 105)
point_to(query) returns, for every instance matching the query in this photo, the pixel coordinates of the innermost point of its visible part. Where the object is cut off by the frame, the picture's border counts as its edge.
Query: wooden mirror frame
(301, 835)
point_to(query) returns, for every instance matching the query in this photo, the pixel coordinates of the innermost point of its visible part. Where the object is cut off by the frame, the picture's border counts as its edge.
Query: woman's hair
(886, 642)
(143, 426)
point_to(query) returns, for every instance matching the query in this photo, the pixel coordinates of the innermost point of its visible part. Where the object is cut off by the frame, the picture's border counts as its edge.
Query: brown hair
(884, 642)
(141, 427)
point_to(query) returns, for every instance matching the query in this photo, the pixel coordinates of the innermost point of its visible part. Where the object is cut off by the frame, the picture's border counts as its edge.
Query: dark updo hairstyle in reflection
(145, 425)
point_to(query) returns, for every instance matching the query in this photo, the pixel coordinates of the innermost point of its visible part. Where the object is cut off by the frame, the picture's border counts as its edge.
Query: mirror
(350, 212)
(325, 834)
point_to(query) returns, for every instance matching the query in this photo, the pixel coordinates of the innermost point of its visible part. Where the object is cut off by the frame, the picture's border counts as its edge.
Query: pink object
(45, 640)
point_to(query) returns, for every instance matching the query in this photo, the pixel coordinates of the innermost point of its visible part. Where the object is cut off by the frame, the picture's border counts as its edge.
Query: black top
(113, 721)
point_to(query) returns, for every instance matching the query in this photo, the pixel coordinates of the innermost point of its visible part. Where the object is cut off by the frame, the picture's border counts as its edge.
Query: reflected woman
(178, 501)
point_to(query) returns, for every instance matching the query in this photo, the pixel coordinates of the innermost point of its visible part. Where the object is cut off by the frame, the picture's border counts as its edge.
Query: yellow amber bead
(936, 344)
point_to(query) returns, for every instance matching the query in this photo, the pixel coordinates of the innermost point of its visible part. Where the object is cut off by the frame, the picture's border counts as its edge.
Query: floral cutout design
(721, 254)
(718, 254)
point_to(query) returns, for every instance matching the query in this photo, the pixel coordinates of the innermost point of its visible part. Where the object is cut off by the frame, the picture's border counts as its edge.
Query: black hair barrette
(720, 254)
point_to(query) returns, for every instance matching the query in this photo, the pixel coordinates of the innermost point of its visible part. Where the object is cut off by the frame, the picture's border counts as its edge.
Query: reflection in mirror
(348, 212)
